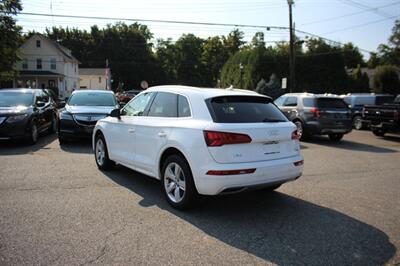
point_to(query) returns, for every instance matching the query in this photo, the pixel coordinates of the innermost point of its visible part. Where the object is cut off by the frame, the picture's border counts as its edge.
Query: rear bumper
(317, 128)
(267, 173)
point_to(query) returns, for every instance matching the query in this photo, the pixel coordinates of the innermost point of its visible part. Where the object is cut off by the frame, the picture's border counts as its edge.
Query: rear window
(308, 102)
(331, 103)
(244, 109)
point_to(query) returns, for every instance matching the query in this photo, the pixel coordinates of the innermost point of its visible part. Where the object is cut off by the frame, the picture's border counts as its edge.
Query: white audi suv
(201, 141)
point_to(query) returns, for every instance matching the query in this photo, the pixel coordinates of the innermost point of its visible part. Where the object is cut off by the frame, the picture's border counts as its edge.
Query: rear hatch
(248, 129)
(332, 112)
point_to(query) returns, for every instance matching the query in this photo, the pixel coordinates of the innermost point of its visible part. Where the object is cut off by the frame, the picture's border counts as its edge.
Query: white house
(47, 64)
(95, 78)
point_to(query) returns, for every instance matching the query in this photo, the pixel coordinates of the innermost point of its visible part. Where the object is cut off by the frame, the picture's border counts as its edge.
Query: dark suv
(316, 114)
(357, 101)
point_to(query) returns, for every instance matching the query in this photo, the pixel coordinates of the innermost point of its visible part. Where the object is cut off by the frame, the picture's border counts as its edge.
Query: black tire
(379, 132)
(53, 126)
(357, 122)
(301, 130)
(189, 195)
(103, 162)
(33, 134)
(335, 137)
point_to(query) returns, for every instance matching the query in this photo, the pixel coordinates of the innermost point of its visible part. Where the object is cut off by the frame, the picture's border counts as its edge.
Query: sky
(366, 23)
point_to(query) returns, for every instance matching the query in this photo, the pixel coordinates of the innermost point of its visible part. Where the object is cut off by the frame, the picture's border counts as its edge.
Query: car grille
(88, 119)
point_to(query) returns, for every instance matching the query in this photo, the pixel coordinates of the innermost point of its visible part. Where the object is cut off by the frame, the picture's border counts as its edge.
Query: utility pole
(241, 75)
(291, 56)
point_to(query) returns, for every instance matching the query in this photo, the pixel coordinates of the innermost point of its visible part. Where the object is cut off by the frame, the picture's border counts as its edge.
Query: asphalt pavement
(57, 208)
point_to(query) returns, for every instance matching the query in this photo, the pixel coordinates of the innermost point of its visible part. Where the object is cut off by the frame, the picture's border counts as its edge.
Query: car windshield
(92, 99)
(244, 109)
(331, 103)
(15, 98)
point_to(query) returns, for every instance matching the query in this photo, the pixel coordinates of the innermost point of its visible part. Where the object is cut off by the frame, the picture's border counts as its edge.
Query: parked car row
(196, 141)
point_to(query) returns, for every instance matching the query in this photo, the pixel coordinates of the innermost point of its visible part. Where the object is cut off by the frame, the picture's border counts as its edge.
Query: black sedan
(82, 111)
(24, 113)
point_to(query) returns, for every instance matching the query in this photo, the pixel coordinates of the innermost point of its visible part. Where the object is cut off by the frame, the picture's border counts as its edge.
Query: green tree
(190, 70)
(213, 58)
(373, 60)
(258, 40)
(10, 37)
(359, 82)
(126, 47)
(352, 56)
(386, 80)
(390, 53)
(234, 41)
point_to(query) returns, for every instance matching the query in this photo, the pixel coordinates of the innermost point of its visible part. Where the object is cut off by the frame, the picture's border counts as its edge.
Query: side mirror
(116, 113)
(40, 104)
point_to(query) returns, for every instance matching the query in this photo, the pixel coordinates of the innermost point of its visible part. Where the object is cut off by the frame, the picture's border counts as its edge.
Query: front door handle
(131, 130)
(162, 134)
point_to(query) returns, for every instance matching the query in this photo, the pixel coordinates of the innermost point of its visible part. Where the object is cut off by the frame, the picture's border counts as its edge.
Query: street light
(241, 75)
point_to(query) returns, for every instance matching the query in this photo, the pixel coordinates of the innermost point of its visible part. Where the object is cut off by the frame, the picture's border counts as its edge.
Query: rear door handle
(131, 130)
(162, 134)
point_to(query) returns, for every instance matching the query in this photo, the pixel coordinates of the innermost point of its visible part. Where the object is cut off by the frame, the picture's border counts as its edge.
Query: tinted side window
(308, 102)
(164, 105)
(183, 107)
(137, 106)
(291, 101)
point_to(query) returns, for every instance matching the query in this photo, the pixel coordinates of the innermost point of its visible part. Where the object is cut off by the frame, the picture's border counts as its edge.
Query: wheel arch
(168, 151)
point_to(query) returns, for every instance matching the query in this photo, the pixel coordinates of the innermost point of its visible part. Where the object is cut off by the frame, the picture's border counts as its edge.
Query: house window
(25, 63)
(53, 63)
(38, 43)
(39, 63)
(99, 79)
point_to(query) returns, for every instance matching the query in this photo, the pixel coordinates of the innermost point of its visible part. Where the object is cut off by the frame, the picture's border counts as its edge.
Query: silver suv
(317, 114)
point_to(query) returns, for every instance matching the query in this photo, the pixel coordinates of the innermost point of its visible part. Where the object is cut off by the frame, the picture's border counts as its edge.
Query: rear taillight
(231, 172)
(316, 113)
(298, 163)
(216, 138)
(295, 135)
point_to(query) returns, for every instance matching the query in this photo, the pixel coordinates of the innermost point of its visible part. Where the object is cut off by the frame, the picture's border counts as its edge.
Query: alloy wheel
(174, 182)
(100, 152)
(299, 126)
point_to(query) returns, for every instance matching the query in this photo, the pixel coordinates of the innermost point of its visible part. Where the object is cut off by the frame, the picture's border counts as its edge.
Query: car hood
(14, 110)
(89, 109)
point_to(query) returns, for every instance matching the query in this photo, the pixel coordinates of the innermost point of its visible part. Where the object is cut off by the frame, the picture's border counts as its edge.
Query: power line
(349, 15)
(153, 20)
(365, 7)
(361, 25)
(187, 23)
